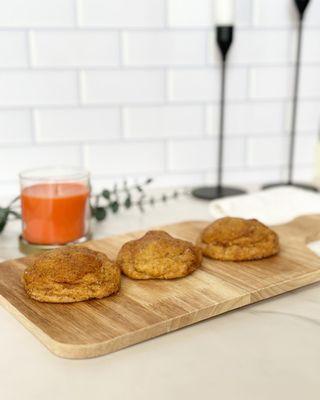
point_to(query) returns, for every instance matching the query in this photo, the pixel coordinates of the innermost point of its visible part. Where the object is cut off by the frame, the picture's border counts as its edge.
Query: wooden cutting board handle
(306, 226)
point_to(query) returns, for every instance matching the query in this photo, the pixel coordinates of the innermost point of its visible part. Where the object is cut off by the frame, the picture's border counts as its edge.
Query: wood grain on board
(145, 309)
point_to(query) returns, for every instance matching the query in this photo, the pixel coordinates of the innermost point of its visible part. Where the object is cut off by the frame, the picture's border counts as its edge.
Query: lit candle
(224, 12)
(55, 211)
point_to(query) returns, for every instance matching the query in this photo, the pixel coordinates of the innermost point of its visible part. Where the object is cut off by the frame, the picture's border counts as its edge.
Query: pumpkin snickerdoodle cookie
(237, 239)
(157, 255)
(70, 274)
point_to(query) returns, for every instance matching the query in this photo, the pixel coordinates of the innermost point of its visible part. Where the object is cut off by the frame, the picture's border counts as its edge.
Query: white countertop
(269, 350)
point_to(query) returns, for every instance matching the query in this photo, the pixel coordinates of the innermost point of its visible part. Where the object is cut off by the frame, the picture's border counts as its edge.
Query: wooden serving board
(145, 309)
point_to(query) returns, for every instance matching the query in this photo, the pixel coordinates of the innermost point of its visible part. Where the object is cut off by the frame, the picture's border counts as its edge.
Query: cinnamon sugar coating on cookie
(237, 239)
(157, 255)
(70, 274)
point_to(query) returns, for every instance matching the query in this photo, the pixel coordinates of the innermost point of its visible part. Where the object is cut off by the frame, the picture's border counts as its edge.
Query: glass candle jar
(55, 206)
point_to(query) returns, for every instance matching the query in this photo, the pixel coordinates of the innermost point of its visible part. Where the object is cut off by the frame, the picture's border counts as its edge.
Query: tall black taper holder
(301, 7)
(224, 35)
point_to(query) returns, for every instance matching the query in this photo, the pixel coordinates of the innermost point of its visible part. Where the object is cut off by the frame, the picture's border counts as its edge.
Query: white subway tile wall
(122, 14)
(127, 158)
(201, 155)
(163, 121)
(74, 49)
(131, 88)
(38, 14)
(164, 48)
(203, 84)
(14, 159)
(31, 88)
(77, 124)
(123, 86)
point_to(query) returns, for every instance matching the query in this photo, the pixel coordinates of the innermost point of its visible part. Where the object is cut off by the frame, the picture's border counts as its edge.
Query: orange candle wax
(54, 213)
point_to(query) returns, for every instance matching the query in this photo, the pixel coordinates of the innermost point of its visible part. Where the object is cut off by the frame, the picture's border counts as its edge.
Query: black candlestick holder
(301, 7)
(224, 36)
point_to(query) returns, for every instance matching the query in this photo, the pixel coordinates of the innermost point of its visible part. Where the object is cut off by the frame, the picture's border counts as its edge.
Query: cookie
(157, 255)
(237, 239)
(70, 274)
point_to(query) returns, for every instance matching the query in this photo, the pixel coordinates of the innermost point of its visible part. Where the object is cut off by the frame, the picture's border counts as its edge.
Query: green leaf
(114, 205)
(128, 202)
(148, 181)
(4, 213)
(99, 213)
(106, 194)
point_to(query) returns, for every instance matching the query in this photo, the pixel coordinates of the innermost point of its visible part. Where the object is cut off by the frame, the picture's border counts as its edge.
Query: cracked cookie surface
(237, 239)
(157, 255)
(70, 274)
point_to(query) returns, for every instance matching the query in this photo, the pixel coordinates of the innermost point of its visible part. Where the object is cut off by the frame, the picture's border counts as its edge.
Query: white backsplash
(131, 88)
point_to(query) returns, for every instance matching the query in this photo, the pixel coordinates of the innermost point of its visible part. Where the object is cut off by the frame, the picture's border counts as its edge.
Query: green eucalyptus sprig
(119, 196)
(126, 197)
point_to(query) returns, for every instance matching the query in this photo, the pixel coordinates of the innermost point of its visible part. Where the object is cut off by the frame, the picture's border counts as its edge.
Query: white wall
(130, 87)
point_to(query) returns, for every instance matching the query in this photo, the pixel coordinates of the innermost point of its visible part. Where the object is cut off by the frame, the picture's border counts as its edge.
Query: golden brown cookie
(157, 255)
(71, 273)
(237, 239)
